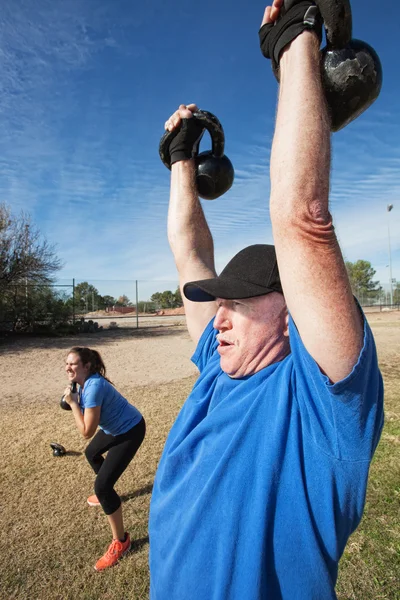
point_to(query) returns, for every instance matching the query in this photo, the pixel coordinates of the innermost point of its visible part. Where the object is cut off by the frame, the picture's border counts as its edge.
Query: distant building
(123, 310)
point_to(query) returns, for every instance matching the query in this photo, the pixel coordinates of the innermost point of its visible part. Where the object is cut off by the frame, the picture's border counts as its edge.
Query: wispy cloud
(78, 148)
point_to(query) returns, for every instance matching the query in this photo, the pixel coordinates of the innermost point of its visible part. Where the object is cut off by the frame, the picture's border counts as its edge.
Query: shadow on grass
(137, 545)
(17, 342)
(142, 492)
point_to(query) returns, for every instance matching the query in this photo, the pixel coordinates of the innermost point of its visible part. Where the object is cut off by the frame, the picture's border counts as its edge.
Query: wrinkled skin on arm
(312, 269)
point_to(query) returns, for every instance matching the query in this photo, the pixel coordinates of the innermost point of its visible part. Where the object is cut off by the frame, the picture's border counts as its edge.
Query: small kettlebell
(58, 449)
(214, 170)
(64, 405)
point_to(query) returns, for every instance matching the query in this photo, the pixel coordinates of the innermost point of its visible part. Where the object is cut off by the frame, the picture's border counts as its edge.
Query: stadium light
(389, 208)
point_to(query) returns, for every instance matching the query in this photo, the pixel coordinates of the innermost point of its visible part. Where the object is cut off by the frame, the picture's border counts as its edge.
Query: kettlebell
(64, 405)
(58, 449)
(214, 170)
(350, 69)
(352, 81)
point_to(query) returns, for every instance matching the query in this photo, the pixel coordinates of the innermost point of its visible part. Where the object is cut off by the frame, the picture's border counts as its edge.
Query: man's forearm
(311, 266)
(188, 232)
(300, 156)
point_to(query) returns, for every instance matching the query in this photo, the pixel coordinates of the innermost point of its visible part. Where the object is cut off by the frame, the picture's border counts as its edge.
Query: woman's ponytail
(92, 357)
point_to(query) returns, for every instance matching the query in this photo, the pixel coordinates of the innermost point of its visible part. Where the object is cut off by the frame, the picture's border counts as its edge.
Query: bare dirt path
(150, 355)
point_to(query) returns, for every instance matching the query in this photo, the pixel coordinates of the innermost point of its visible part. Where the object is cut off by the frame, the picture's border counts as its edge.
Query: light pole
(389, 208)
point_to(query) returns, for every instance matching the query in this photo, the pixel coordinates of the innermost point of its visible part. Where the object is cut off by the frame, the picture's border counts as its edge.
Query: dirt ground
(148, 355)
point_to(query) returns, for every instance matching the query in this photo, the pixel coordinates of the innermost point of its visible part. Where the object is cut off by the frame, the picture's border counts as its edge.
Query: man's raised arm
(188, 232)
(312, 270)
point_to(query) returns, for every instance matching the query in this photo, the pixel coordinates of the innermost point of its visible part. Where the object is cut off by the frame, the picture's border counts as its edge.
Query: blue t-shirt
(117, 415)
(263, 478)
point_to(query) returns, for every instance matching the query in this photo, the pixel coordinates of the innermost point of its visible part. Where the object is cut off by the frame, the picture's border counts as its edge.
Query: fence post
(73, 301)
(137, 306)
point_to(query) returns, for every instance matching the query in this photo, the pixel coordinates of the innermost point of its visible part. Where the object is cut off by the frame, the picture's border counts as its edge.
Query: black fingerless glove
(185, 144)
(298, 17)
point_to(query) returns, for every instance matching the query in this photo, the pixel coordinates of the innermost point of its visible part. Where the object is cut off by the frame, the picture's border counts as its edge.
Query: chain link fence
(80, 306)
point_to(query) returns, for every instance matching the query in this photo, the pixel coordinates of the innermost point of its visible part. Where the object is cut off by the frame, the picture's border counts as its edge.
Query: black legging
(121, 449)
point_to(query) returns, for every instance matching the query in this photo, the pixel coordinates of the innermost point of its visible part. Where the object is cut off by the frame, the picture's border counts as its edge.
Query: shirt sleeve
(206, 347)
(345, 418)
(93, 393)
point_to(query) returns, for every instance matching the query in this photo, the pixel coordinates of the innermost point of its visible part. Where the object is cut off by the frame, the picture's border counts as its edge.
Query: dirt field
(149, 355)
(158, 352)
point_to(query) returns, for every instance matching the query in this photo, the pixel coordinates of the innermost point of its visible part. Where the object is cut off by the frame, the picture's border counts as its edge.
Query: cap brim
(207, 290)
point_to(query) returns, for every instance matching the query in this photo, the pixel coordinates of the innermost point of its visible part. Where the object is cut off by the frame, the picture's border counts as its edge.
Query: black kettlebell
(214, 170)
(64, 405)
(351, 69)
(58, 449)
(352, 80)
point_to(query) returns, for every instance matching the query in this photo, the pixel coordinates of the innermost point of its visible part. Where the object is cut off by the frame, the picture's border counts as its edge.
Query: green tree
(361, 276)
(156, 300)
(123, 301)
(87, 297)
(178, 297)
(107, 301)
(27, 265)
(146, 306)
(167, 299)
(24, 253)
(396, 293)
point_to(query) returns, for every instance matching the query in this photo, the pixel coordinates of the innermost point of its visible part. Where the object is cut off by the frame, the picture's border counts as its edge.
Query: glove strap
(274, 37)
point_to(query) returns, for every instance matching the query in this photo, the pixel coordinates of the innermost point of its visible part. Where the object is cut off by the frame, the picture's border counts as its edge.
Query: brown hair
(92, 357)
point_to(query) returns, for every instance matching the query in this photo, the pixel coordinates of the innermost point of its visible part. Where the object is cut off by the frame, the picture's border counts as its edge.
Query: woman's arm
(87, 422)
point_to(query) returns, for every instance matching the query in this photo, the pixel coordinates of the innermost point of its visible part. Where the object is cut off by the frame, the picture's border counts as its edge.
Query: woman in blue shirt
(121, 432)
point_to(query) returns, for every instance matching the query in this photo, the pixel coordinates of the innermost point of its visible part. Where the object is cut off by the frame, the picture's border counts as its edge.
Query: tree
(123, 301)
(361, 276)
(27, 265)
(107, 301)
(396, 293)
(178, 297)
(24, 253)
(87, 297)
(167, 299)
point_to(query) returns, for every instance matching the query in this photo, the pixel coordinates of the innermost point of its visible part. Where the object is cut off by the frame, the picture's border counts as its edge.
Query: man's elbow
(308, 223)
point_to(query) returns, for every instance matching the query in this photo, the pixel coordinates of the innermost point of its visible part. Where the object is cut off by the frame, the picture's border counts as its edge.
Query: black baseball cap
(252, 272)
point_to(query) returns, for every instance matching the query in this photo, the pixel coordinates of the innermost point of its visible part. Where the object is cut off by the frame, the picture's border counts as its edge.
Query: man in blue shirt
(264, 473)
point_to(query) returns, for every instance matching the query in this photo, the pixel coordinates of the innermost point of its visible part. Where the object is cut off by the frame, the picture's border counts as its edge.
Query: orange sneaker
(93, 500)
(115, 552)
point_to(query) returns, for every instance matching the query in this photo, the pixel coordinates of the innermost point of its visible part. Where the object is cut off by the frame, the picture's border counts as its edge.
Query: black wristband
(274, 37)
(185, 144)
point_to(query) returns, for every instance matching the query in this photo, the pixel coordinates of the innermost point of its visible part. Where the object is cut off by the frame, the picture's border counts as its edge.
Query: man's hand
(184, 112)
(271, 13)
(283, 22)
(185, 144)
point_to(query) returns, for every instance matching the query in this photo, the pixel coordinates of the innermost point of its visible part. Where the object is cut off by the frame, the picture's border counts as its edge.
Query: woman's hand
(71, 397)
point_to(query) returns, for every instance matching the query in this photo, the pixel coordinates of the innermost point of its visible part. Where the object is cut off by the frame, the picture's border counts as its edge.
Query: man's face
(253, 333)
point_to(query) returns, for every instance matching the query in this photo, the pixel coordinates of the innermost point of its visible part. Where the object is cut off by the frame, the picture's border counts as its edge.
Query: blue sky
(85, 89)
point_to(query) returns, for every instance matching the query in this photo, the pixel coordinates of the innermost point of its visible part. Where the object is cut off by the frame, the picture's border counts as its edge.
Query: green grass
(50, 538)
(370, 566)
